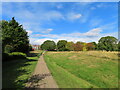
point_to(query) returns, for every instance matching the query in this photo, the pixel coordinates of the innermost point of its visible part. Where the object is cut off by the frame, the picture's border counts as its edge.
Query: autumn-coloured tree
(90, 46)
(78, 46)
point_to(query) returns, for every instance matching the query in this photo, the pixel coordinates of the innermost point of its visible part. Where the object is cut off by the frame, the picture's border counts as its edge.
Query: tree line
(108, 43)
(15, 39)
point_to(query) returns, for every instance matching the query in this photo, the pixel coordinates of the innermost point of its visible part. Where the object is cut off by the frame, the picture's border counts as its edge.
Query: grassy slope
(83, 69)
(17, 72)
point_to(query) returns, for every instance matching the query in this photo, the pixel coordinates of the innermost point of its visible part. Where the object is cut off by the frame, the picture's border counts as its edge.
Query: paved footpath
(41, 77)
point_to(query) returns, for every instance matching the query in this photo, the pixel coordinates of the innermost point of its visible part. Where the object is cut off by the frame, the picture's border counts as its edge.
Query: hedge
(13, 55)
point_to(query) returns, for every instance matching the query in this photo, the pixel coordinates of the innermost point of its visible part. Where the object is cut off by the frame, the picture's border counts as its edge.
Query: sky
(71, 21)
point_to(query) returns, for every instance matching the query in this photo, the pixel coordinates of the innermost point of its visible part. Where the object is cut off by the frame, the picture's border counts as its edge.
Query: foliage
(13, 55)
(84, 47)
(8, 49)
(30, 48)
(48, 45)
(70, 46)
(17, 55)
(61, 45)
(15, 36)
(119, 46)
(108, 43)
(90, 46)
(78, 46)
(95, 44)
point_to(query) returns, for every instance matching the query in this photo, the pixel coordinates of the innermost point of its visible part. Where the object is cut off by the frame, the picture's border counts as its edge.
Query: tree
(61, 45)
(108, 43)
(118, 46)
(48, 45)
(95, 44)
(84, 46)
(78, 46)
(14, 36)
(90, 46)
(70, 46)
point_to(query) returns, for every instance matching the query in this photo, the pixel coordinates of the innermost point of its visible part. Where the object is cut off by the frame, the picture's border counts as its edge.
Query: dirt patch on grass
(73, 57)
(93, 66)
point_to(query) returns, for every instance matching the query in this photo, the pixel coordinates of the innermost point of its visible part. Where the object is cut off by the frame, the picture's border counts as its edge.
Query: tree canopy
(70, 46)
(61, 45)
(48, 45)
(14, 37)
(108, 43)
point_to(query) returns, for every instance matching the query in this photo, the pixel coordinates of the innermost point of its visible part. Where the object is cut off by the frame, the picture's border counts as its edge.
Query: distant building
(36, 47)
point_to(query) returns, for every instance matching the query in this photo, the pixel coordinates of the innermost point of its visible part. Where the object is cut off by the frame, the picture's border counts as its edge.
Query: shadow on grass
(11, 70)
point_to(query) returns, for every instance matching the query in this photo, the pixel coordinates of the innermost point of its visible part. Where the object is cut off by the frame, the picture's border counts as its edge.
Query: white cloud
(93, 32)
(91, 35)
(50, 15)
(47, 31)
(29, 32)
(38, 41)
(73, 16)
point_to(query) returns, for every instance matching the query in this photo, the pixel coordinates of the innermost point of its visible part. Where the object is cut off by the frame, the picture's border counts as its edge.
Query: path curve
(41, 77)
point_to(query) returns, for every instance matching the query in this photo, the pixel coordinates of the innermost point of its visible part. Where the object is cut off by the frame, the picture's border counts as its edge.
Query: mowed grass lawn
(16, 72)
(90, 69)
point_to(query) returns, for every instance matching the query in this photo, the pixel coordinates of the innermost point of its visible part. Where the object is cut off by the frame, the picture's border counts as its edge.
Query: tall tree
(61, 45)
(108, 43)
(48, 45)
(13, 35)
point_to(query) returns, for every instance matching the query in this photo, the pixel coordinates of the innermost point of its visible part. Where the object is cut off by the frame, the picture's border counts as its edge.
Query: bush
(13, 55)
(17, 55)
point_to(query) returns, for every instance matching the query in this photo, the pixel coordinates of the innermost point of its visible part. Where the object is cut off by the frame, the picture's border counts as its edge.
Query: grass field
(17, 72)
(91, 69)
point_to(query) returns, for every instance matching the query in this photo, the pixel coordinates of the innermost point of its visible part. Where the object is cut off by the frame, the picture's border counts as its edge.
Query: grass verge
(16, 72)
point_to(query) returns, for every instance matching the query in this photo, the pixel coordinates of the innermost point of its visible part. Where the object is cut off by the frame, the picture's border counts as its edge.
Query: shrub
(13, 55)
(17, 55)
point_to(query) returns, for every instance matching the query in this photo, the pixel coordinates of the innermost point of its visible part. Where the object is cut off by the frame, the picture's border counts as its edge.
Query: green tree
(95, 44)
(108, 43)
(69, 46)
(61, 45)
(118, 46)
(14, 36)
(48, 45)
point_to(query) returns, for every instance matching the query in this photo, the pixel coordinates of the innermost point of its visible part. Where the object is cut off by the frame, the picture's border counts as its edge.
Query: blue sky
(72, 21)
